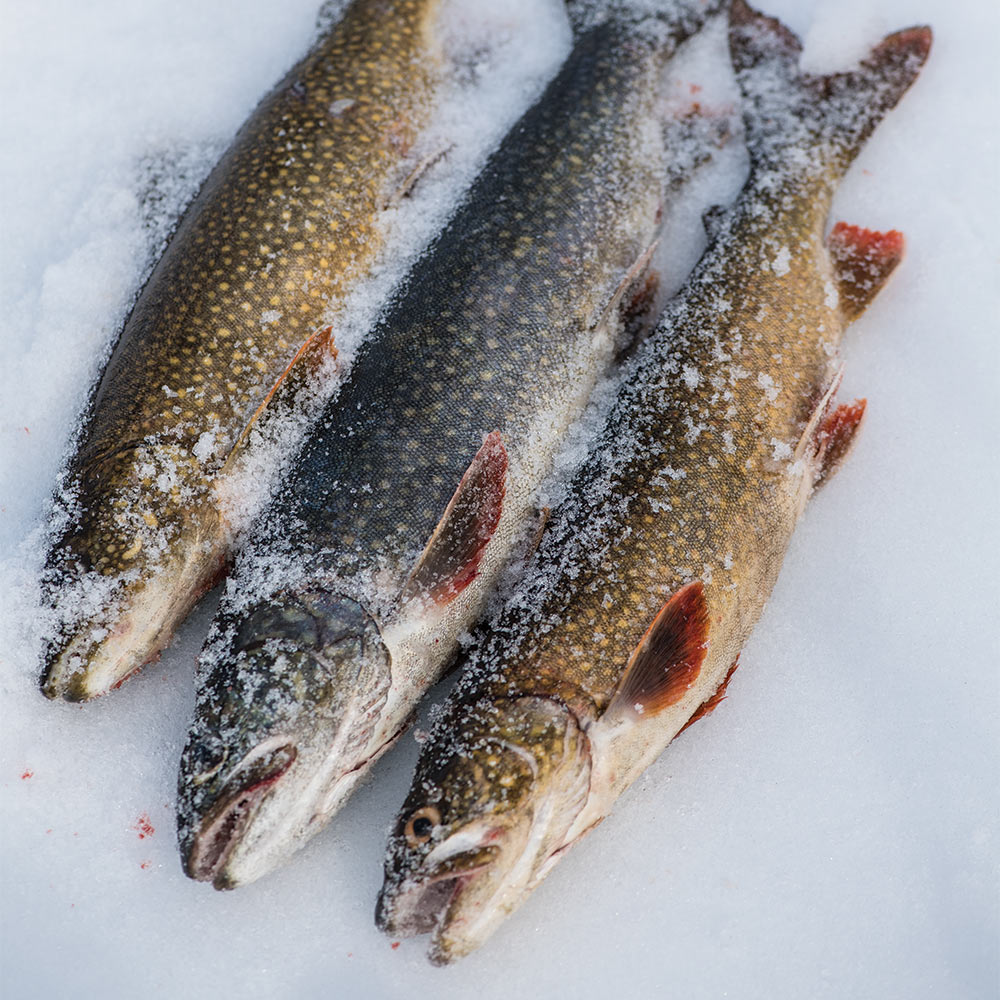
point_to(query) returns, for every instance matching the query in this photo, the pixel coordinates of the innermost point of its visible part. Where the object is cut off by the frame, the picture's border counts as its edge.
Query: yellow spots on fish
(133, 550)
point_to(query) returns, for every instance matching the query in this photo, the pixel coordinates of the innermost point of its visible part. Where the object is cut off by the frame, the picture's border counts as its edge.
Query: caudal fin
(797, 118)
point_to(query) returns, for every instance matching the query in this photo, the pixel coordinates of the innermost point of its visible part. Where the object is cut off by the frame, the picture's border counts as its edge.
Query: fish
(286, 225)
(418, 482)
(658, 563)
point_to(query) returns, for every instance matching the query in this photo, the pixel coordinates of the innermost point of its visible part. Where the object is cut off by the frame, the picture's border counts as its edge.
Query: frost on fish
(655, 568)
(421, 479)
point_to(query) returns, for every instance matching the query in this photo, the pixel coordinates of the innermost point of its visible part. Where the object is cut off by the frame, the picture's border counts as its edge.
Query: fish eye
(420, 825)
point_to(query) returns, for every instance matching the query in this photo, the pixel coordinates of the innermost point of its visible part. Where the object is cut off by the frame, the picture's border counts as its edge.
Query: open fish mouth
(224, 824)
(422, 904)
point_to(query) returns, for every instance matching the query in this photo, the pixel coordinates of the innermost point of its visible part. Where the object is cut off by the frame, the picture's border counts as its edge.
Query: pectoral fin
(308, 358)
(862, 259)
(667, 661)
(450, 562)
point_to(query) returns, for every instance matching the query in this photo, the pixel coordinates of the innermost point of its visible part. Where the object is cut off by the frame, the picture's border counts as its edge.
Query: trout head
(487, 815)
(283, 729)
(141, 540)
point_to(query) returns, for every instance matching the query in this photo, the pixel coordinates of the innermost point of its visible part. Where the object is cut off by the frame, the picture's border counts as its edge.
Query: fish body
(657, 566)
(420, 478)
(285, 225)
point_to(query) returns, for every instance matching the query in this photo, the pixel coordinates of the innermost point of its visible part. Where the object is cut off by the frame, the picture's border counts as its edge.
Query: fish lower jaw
(85, 667)
(281, 827)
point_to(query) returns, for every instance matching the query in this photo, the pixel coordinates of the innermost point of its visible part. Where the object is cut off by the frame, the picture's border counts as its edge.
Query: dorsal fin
(450, 561)
(862, 259)
(668, 659)
(711, 703)
(318, 348)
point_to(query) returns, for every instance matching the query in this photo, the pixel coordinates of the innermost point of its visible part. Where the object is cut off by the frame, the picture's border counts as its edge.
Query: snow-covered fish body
(657, 566)
(283, 228)
(420, 478)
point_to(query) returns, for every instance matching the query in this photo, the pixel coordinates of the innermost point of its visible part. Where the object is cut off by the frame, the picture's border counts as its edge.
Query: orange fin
(318, 348)
(862, 260)
(668, 659)
(711, 703)
(836, 436)
(450, 562)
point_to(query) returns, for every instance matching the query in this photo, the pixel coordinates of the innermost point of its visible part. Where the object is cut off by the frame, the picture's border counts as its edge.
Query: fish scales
(499, 332)
(659, 563)
(281, 230)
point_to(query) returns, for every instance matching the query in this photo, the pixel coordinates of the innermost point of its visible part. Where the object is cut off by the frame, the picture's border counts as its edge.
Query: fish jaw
(304, 676)
(499, 809)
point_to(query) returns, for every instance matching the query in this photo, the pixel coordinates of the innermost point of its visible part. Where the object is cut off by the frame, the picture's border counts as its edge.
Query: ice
(831, 830)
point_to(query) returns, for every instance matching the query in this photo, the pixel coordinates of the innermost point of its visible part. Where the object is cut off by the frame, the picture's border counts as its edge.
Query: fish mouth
(224, 824)
(423, 904)
(100, 655)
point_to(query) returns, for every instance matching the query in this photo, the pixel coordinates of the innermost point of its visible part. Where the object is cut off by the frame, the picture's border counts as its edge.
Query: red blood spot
(26, 431)
(145, 865)
(27, 774)
(143, 827)
(48, 831)
(395, 945)
(695, 88)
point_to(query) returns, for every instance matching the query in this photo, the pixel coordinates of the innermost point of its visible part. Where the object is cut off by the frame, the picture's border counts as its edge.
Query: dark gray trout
(659, 563)
(421, 476)
(283, 228)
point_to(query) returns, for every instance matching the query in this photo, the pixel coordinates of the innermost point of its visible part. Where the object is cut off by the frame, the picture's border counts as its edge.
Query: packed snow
(831, 830)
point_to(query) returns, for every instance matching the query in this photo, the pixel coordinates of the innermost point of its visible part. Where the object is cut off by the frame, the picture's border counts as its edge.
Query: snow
(832, 829)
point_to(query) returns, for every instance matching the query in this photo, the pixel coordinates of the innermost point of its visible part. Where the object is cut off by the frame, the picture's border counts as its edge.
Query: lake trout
(659, 562)
(419, 479)
(283, 228)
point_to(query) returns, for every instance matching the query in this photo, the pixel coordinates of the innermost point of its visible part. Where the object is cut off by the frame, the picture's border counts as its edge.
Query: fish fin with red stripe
(450, 561)
(667, 661)
(862, 260)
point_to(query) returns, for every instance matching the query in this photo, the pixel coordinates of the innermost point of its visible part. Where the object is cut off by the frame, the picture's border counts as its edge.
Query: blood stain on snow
(27, 774)
(395, 945)
(145, 865)
(144, 827)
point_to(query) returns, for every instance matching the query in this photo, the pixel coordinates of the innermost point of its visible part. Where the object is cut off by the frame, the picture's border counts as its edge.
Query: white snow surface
(830, 831)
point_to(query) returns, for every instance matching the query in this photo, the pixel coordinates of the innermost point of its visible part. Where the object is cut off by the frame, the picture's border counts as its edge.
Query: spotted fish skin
(285, 225)
(659, 563)
(499, 334)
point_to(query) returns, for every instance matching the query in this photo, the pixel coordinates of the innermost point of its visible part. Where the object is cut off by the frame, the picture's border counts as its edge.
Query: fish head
(497, 790)
(139, 539)
(283, 727)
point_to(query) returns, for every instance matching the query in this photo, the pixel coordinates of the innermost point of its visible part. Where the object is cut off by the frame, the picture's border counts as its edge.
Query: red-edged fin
(667, 661)
(862, 259)
(709, 705)
(318, 348)
(450, 562)
(836, 436)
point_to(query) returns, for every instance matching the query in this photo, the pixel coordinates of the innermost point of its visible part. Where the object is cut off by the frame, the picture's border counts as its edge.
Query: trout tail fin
(792, 116)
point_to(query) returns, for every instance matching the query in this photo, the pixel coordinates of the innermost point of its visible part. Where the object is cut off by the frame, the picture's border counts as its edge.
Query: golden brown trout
(420, 478)
(283, 228)
(659, 562)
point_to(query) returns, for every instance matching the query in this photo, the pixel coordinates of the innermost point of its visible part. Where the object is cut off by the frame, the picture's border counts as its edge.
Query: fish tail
(794, 119)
